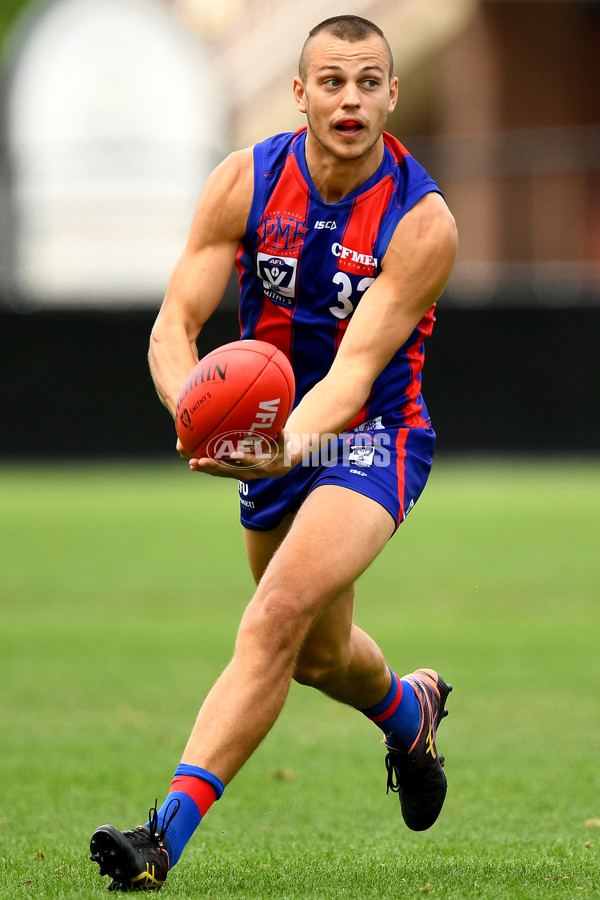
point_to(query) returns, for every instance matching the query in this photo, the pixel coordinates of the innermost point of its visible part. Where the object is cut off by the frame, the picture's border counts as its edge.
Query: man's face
(347, 93)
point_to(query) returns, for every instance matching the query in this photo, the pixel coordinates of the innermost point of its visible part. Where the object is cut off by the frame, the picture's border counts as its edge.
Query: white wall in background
(114, 122)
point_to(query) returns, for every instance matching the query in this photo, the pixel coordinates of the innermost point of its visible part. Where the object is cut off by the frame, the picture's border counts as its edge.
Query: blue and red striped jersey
(304, 264)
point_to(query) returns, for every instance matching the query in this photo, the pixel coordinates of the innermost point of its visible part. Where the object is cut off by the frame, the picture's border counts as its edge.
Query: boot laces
(139, 836)
(393, 773)
(167, 818)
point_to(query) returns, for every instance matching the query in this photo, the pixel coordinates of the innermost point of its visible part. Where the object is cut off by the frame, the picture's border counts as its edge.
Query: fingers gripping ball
(237, 396)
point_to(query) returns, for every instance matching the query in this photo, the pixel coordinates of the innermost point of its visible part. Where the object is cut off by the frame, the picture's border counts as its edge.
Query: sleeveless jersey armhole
(258, 198)
(389, 226)
(269, 156)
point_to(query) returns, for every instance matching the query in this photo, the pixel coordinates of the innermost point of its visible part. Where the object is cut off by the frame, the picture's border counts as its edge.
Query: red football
(237, 396)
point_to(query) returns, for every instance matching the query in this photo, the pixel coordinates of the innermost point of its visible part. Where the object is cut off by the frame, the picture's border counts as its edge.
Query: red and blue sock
(196, 790)
(399, 714)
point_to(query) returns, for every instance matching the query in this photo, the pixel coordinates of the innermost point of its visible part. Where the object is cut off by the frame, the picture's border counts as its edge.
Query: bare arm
(414, 272)
(201, 274)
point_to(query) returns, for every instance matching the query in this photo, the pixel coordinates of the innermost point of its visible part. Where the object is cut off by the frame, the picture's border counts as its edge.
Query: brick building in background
(517, 127)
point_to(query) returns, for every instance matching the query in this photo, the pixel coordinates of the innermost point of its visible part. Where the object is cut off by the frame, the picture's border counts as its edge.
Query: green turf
(121, 588)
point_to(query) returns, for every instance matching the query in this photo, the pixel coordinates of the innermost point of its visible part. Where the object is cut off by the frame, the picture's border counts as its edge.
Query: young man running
(343, 244)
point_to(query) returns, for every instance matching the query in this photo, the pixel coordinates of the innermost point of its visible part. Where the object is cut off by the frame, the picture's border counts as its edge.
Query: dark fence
(520, 379)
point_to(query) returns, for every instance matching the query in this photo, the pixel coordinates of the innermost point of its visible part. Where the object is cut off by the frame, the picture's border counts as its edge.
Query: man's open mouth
(349, 127)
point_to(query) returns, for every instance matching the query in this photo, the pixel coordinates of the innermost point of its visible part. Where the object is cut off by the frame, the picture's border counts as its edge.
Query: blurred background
(113, 112)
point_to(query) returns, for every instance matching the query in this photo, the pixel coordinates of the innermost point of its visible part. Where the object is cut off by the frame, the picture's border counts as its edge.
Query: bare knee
(319, 666)
(273, 628)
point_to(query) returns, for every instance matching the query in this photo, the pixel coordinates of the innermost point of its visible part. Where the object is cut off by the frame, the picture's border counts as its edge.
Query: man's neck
(335, 177)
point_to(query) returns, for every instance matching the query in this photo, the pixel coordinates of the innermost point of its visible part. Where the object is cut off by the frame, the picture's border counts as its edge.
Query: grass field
(121, 590)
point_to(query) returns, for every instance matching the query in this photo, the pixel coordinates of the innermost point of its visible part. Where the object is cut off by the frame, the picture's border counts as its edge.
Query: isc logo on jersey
(278, 275)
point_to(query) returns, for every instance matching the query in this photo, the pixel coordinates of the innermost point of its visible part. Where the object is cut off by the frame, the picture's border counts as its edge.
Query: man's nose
(350, 95)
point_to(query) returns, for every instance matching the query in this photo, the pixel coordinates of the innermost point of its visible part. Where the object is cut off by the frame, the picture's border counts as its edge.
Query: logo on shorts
(362, 455)
(243, 491)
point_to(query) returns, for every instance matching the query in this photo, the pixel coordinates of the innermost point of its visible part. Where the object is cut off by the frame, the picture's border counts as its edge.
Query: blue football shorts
(390, 465)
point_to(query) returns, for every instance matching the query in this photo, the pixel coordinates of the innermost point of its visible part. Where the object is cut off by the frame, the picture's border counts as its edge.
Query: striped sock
(196, 790)
(399, 714)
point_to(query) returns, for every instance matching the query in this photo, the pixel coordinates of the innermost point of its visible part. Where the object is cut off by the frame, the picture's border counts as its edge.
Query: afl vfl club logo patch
(278, 276)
